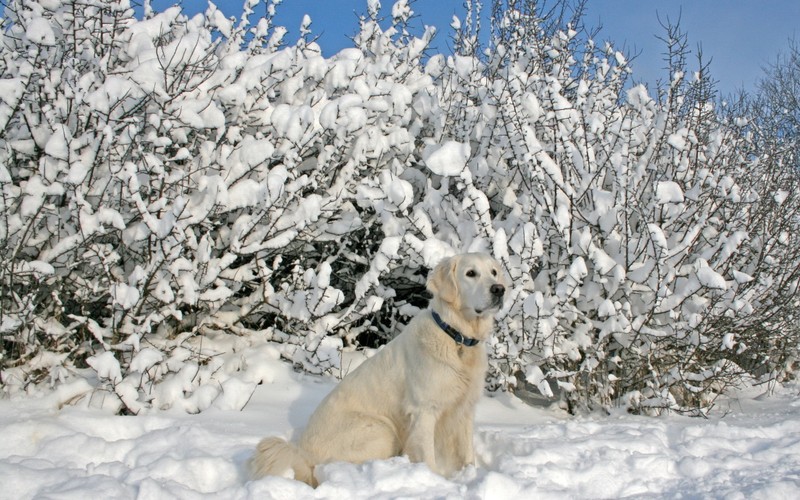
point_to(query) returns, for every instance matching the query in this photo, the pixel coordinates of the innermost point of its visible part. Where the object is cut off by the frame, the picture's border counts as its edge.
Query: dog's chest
(469, 363)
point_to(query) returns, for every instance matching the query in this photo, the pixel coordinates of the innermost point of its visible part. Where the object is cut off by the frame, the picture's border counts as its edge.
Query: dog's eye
(471, 273)
(494, 272)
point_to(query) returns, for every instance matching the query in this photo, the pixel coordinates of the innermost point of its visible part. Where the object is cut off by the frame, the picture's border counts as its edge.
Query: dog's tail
(276, 457)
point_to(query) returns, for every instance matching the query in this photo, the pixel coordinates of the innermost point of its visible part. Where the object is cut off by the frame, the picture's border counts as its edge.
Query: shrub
(181, 196)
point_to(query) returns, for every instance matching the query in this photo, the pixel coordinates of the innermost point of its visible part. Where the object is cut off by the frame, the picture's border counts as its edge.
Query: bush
(179, 191)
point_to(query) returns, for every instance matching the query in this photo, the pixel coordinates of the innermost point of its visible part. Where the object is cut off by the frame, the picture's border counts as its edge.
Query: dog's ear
(442, 281)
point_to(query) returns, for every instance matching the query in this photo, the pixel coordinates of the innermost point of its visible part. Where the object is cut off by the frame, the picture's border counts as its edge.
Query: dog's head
(472, 283)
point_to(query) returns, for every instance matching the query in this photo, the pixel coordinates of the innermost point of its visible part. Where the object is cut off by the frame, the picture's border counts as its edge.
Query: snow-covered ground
(751, 452)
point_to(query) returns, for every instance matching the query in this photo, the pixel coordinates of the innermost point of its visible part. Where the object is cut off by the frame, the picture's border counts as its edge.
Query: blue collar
(452, 332)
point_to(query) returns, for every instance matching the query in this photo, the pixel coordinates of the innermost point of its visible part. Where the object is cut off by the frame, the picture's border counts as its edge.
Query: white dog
(414, 397)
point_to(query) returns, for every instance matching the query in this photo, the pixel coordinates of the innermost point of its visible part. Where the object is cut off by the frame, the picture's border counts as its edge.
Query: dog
(417, 395)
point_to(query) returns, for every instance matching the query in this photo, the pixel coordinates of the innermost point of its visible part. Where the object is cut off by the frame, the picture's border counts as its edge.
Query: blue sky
(739, 36)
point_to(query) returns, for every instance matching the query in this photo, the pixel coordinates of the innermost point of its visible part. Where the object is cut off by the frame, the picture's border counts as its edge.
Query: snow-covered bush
(652, 252)
(178, 191)
(171, 182)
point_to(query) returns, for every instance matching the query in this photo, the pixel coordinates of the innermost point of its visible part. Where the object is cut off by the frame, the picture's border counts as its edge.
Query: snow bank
(523, 452)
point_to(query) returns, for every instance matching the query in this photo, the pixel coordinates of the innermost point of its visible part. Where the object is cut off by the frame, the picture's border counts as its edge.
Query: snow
(184, 186)
(669, 192)
(678, 139)
(399, 192)
(523, 451)
(39, 31)
(401, 10)
(106, 366)
(728, 341)
(709, 277)
(58, 144)
(448, 158)
(124, 295)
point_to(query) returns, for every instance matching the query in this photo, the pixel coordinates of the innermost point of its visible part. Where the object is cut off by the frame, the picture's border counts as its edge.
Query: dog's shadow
(314, 388)
(312, 392)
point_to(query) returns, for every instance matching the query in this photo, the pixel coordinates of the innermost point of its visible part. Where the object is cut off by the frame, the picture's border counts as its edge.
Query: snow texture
(449, 158)
(523, 452)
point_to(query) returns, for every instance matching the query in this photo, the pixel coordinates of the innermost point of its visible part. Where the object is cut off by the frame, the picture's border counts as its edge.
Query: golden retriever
(417, 395)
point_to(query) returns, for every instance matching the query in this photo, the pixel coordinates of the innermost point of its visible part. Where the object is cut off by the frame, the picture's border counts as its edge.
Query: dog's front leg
(466, 440)
(454, 440)
(419, 446)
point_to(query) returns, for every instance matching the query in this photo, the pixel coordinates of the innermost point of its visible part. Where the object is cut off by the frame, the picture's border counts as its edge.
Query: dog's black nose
(497, 290)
